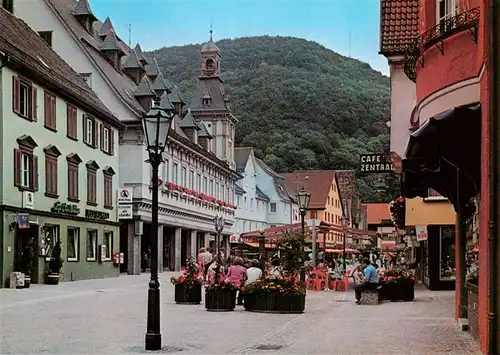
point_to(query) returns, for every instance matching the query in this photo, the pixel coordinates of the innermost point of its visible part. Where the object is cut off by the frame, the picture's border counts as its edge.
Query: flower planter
(249, 301)
(52, 279)
(187, 295)
(398, 290)
(275, 303)
(27, 281)
(223, 300)
(406, 289)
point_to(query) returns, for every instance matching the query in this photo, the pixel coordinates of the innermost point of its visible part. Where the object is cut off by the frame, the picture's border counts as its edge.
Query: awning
(445, 154)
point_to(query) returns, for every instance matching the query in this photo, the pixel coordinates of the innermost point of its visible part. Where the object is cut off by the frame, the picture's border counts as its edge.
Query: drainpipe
(494, 126)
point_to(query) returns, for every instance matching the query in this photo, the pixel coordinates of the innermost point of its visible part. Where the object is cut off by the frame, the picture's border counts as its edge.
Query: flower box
(402, 289)
(187, 295)
(222, 300)
(275, 302)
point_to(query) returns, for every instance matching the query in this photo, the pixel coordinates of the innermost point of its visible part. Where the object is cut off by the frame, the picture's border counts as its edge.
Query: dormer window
(206, 101)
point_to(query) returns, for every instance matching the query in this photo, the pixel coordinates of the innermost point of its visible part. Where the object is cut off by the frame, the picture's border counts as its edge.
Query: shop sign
(124, 196)
(23, 221)
(235, 239)
(375, 163)
(96, 214)
(65, 208)
(28, 200)
(421, 233)
(124, 211)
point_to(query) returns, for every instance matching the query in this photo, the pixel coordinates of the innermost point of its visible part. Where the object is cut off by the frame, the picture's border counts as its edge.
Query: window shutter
(15, 94)
(103, 148)
(111, 141)
(33, 104)
(53, 119)
(69, 121)
(95, 136)
(35, 173)
(46, 109)
(84, 119)
(17, 167)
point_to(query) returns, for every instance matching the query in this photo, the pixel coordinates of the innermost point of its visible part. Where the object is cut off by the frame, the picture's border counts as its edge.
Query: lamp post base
(153, 341)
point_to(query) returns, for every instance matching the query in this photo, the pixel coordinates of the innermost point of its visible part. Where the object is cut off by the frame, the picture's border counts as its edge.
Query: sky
(158, 23)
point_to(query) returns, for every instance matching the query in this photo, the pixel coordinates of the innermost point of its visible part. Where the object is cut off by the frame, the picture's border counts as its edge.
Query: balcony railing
(468, 20)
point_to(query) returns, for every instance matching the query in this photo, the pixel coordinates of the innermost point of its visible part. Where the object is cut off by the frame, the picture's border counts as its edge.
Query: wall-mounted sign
(235, 239)
(96, 214)
(124, 196)
(375, 163)
(421, 232)
(23, 221)
(124, 211)
(65, 208)
(28, 199)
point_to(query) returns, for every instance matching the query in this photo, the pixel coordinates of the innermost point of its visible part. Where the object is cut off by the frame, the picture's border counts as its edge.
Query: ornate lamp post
(262, 250)
(219, 227)
(303, 198)
(344, 227)
(156, 124)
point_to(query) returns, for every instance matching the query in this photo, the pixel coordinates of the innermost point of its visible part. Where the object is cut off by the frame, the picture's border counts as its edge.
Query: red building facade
(449, 147)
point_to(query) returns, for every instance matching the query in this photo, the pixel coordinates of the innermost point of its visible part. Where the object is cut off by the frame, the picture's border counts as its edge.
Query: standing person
(236, 275)
(207, 260)
(201, 260)
(369, 281)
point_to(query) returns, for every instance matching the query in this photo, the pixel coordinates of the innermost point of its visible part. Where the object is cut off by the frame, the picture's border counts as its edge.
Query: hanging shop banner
(235, 239)
(421, 233)
(375, 163)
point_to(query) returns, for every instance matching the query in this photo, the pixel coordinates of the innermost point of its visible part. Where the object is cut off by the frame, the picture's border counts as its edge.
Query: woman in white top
(254, 272)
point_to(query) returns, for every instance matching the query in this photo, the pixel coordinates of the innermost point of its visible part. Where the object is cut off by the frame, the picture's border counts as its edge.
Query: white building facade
(198, 177)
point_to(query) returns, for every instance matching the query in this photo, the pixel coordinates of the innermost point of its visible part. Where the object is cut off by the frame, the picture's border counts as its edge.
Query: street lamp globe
(156, 124)
(303, 199)
(219, 223)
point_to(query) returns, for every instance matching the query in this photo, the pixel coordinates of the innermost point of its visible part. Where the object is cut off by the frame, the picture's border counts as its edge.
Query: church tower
(211, 104)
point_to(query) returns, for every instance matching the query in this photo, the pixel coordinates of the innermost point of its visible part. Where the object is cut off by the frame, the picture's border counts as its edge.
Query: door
(22, 238)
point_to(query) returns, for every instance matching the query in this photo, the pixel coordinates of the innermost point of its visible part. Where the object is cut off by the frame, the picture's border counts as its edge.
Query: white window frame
(24, 99)
(184, 176)
(175, 173)
(191, 180)
(90, 131)
(26, 170)
(52, 232)
(166, 170)
(105, 139)
(205, 185)
(94, 242)
(108, 235)
(452, 8)
(271, 205)
(76, 240)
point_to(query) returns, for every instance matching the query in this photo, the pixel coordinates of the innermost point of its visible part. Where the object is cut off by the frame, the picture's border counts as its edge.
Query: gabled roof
(106, 27)
(160, 83)
(132, 61)
(110, 43)
(346, 180)
(279, 181)
(261, 195)
(398, 25)
(203, 133)
(82, 8)
(317, 183)
(175, 96)
(30, 55)
(189, 122)
(140, 54)
(152, 69)
(377, 213)
(241, 155)
(165, 102)
(145, 88)
(209, 88)
(267, 169)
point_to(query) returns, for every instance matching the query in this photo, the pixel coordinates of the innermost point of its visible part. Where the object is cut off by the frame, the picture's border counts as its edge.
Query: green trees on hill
(300, 105)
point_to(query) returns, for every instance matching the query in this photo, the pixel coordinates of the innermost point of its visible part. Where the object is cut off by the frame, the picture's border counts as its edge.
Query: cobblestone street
(109, 317)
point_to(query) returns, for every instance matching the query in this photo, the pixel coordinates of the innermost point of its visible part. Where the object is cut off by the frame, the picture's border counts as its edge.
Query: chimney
(8, 5)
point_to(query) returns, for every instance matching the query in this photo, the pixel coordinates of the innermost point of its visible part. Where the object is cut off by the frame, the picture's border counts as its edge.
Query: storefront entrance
(22, 239)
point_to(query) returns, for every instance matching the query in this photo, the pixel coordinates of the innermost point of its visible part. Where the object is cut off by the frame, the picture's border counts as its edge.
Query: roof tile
(398, 25)
(317, 183)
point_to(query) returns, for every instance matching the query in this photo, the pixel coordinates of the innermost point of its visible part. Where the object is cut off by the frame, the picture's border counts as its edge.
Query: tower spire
(211, 31)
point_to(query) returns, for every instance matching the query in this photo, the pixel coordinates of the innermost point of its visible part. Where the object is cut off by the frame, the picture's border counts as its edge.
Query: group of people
(238, 271)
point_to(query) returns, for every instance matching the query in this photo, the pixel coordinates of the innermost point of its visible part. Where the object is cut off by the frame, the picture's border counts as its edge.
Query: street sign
(375, 163)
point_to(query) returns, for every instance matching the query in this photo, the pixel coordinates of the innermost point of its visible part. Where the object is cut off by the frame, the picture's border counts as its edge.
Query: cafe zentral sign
(375, 163)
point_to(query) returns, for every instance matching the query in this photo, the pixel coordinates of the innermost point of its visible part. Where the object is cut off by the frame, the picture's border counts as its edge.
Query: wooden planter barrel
(52, 279)
(220, 300)
(187, 295)
(275, 303)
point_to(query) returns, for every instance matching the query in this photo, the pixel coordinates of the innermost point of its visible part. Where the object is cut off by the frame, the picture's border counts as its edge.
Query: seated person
(369, 280)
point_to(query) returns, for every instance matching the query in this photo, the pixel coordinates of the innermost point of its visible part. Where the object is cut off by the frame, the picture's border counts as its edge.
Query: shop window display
(447, 253)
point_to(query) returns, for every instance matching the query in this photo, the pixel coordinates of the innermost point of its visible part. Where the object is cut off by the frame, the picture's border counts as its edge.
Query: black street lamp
(156, 124)
(303, 199)
(344, 229)
(219, 227)
(262, 250)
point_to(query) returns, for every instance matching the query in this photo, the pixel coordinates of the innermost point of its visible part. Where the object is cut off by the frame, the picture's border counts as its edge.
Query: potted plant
(55, 264)
(28, 259)
(220, 294)
(188, 285)
(282, 294)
